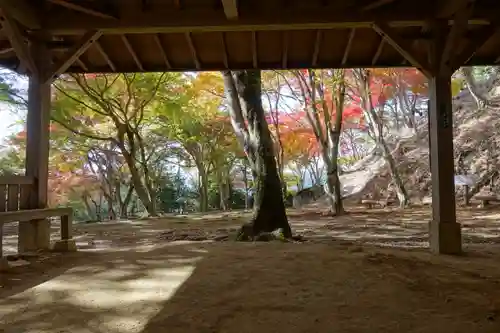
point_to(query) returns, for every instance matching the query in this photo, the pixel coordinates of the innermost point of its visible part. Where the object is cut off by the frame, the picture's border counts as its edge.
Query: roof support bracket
(73, 54)
(403, 46)
(17, 41)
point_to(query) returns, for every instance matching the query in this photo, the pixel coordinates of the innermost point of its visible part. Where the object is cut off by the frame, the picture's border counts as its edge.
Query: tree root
(248, 234)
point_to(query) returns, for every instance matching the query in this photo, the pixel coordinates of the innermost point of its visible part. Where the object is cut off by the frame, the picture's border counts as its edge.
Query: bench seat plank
(34, 214)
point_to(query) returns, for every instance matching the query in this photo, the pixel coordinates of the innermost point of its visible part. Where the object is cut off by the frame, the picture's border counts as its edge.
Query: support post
(35, 235)
(445, 232)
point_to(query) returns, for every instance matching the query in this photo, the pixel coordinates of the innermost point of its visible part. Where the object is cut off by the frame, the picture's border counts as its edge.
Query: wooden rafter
(132, 52)
(348, 46)
(192, 48)
(74, 53)
(105, 56)
(377, 54)
(403, 47)
(11, 29)
(317, 48)
(163, 53)
(230, 9)
(284, 51)
(225, 58)
(83, 9)
(255, 57)
(21, 11)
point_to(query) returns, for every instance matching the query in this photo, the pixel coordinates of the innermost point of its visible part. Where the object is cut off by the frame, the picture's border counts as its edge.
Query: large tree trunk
(269, 207)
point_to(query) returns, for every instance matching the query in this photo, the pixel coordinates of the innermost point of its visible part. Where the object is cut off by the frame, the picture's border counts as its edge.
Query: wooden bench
(33, 229)
(370, 203)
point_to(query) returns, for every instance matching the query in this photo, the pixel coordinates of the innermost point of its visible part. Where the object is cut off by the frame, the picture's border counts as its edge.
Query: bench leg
(34, 235)
(67, 243)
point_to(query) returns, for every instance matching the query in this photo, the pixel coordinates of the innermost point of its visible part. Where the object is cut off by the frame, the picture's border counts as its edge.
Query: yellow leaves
(456, 86)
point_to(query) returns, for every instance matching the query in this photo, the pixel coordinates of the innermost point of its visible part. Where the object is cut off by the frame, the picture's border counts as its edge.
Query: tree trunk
(90, 212)
(245, 181)
(269, 207)
(124, 205)
(203, 189)
(376, 127)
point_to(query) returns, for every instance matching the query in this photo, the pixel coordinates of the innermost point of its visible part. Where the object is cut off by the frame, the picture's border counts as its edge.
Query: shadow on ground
(133, 278)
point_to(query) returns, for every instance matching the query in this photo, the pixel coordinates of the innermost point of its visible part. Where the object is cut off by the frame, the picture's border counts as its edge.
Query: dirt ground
(368, 271)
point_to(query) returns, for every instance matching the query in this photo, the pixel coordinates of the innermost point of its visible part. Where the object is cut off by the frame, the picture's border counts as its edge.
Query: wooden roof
(186, 35)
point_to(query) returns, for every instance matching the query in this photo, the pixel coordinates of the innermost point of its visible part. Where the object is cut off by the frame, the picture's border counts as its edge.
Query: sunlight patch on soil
(94, 298)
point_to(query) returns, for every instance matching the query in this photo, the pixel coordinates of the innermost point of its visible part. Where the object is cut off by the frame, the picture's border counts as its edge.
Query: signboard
(466, 180)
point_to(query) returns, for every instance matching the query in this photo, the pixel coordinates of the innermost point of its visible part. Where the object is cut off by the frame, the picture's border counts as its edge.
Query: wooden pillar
(36, 235)
(445, 232)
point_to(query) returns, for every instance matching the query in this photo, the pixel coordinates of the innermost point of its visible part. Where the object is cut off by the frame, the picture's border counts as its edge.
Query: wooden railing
(15, 192)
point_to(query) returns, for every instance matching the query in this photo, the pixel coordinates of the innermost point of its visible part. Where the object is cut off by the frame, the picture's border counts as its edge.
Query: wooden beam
(23, 12)
(378, 52)
(192, 48)
(403, 47)
(132, 52)
(162, 51)
(317, 48)
(230, 9)
(348, 46)
(225, 58)
(255, 57)
(73, 54)
(16, 39)
(249, 20)
(284, 51)
(376, 3)
(83, 9)
(105, 56)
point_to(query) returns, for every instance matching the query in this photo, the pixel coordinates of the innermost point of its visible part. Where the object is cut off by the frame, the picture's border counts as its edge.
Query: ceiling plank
(255, 57)
(105, 56)
(284, 51)
(21, 11)
(403, 47)
(83, 9)
(230, 9)
(377, 3)
(447, 8)
(225, 57)
(211, 21)
(74, 53)
(16, 39)
(132, 52)
(475, 43)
